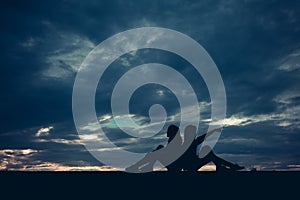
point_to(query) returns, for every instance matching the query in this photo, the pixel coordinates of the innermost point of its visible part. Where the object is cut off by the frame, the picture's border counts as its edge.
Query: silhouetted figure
(161, 153)
(187, 161)
(190, 160)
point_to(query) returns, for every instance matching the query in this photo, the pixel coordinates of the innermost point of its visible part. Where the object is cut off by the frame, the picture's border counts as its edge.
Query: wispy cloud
(284, 119)
(204, 108)
(287, 98)
(285, 114)
(14, 158)
(30, 43)
(291, 62)
(43, 131)
(61, 141)
(288, 108)
(67, 57)
(50, 166)
(25, 160)
(241, 141)
(242, 120)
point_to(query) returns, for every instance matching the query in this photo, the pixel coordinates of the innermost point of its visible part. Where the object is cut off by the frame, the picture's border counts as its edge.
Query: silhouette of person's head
(172, 131)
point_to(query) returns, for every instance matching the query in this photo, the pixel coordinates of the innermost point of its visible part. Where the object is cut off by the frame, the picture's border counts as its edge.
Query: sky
(255, 45)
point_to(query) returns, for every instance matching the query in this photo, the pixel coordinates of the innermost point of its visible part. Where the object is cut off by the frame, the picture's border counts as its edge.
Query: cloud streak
(65, 59)
(291, 62)
(44, 131)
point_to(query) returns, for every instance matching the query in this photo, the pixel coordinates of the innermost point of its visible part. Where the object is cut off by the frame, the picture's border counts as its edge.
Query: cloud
(61, 141)
(288, 108)
(291, 62)
(30, 43)
(241, 141)
(144, 22)
(287, 97)
(294, 166)
(284, 119)
(43, 131)
(68, 54)
(14, 158)
(22, 160)
(284, 115)
(50, 166)
(241, 120)
(204, 108)
(16, 152)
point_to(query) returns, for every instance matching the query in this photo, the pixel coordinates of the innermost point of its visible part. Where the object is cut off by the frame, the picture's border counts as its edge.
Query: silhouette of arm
(201, 138)
(148, 160)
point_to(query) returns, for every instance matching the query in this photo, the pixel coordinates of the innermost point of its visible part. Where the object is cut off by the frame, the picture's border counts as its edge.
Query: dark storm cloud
(254, 44)
(38, 26)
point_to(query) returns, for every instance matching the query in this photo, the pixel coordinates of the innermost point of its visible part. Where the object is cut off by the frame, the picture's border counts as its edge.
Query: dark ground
(240, 185)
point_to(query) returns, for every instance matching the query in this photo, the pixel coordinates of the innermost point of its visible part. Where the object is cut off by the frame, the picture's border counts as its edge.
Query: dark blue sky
(255, 45)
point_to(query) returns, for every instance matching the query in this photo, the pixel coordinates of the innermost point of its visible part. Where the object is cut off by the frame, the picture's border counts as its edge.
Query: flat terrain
(154, 185)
